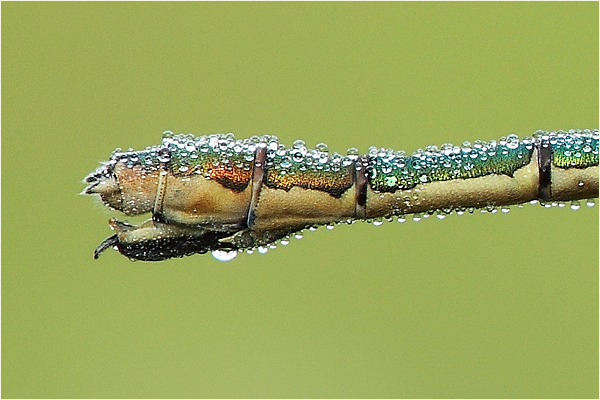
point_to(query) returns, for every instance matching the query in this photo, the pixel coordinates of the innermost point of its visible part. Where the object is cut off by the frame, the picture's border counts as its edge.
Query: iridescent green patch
(575, 149)
(390, 171)
(206, 154)
(309, 169)
(334, 183)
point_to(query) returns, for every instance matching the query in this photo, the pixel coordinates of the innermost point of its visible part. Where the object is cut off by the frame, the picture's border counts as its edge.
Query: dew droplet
(590, 202)
(390, 181)
(352, 153)
(223, 255)
(401, 219)
(377, 222)
(164, 155)
(262, 249)
(299, 144)
(322, 147)
(512, 141)
(575, 205)
(298, 156)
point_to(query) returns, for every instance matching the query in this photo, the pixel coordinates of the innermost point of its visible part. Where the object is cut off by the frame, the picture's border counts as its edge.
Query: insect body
(215, 193)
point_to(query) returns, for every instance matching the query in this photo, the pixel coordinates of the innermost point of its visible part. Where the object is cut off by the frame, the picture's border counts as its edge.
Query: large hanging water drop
(223, 255)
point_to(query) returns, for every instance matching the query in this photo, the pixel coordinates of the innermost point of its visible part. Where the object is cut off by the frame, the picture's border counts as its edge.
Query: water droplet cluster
(572, 149)
(390, 170)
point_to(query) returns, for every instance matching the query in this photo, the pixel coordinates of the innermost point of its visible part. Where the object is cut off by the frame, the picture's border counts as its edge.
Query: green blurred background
(472, 306)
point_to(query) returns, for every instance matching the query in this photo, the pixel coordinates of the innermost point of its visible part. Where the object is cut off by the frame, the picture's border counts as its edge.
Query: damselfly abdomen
(215, 193)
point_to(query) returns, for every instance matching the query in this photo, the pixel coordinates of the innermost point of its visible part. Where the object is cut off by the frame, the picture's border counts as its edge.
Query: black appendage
(545, 169)
(165, 248)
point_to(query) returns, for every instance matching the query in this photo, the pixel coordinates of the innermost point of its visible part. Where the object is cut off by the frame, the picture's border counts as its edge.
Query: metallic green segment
(390, 171)
(220, 157)
(202, 155)
(309, 169)
(573, 149)
(334, 183)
